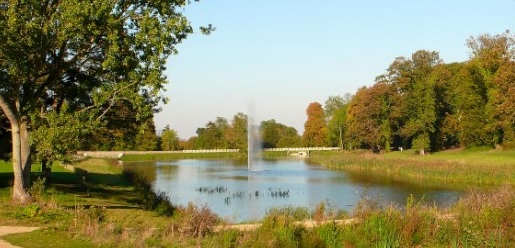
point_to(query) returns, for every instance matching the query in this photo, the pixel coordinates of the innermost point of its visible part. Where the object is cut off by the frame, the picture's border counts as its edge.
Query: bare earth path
(306, 224)
(6, 230)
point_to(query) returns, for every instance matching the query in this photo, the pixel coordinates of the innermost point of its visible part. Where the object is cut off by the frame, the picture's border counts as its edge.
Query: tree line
(224, 134)
(419, 103)
(428, 105)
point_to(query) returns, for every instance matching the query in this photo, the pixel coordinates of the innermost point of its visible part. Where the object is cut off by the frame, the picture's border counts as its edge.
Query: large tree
(336, 114)
(315, 128)
(368, 117)
(169, 139)
(85, 55)
(236, 133)
(274, 135)
(420, 105)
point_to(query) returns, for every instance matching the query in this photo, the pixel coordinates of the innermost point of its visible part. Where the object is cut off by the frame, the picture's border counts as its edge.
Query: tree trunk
(21, 150)
(46, 170)
(21, 162)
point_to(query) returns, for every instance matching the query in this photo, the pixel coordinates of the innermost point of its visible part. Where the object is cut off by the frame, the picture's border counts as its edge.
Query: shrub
(194, 220)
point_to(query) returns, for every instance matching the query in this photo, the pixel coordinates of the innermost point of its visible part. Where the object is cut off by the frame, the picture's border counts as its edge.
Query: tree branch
(8, 111)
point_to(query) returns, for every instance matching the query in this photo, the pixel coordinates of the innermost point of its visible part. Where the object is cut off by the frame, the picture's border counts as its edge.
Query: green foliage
(220, 134)
(59, 133)
(169, 140)
(274, 135)
(279, 230)
(332, 235)
(236, 133)
(336, 114)
(73, 57)
(146, 139)
(38, 188)
(211, 136)
(422, 103)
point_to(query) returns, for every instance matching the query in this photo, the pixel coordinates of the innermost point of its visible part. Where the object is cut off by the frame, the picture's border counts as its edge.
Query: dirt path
(6, 230)
(306, 224)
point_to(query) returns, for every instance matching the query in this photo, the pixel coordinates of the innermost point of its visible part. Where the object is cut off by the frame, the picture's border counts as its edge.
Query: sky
(280, 56)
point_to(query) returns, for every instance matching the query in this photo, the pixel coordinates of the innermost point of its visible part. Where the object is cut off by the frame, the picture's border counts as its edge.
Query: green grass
(461, 168)
(175, 156)
(49, 238)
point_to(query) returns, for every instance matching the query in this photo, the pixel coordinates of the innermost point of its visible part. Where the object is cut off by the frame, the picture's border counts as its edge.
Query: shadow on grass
(111, 190)
(6, 179)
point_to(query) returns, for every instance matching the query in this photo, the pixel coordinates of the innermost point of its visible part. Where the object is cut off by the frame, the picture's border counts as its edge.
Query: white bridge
(294, 151)
(301, 151)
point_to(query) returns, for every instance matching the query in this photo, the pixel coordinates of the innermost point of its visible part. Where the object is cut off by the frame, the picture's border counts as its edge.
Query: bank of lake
(96, 206)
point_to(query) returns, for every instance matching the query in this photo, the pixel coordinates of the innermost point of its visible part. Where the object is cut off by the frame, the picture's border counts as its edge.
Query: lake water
(237, 195)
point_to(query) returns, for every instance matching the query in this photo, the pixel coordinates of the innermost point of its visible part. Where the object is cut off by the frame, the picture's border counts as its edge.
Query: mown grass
(462, 168)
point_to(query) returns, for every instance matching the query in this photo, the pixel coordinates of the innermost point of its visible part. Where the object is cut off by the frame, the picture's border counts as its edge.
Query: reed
(460, 169)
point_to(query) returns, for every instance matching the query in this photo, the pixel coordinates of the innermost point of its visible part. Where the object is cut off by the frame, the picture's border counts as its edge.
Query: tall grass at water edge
(465, 168)
(482, 218)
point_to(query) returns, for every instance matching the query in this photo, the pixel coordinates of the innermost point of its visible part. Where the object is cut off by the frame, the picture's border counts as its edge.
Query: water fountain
(253, 140)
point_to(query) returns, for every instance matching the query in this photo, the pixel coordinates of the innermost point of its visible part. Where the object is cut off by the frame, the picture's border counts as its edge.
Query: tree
(169, 139)
(87, 55)
(274, 135)
(269, 133)
(368, 115)
(212, 135)
(146, 138)
(332, 104)
(315, 128)
(421, 115)
(236, 133)
(504, 102)
(336, 115)
(490, 57)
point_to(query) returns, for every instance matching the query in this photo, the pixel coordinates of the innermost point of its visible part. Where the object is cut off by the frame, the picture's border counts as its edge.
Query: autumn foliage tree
(368, 117)
(315, 128)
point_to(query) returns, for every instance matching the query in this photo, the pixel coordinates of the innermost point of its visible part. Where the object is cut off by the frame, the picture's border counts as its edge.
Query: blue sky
(283, 55)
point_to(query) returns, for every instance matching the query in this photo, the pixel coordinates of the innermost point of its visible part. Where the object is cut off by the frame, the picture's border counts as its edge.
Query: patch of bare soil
(6, 230)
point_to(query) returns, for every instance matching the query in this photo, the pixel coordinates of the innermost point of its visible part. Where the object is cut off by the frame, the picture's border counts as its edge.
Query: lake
(237, 194)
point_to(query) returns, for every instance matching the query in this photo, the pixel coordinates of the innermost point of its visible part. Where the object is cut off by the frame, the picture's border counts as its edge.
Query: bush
(194, 220)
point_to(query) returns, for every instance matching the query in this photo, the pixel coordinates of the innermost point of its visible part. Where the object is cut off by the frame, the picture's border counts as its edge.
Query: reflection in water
(247, 195)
